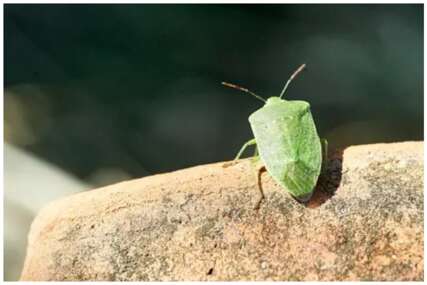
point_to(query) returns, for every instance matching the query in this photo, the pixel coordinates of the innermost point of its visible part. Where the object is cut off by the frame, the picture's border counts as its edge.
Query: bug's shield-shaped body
(288, 144)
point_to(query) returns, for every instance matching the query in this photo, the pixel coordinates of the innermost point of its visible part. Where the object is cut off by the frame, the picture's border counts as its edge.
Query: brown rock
(365, 222)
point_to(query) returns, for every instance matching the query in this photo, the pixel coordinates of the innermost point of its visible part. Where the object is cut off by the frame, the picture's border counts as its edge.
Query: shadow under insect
(328, 182)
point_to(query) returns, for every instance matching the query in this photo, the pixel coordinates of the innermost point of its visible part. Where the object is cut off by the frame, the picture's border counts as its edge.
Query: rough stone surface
(365, 222)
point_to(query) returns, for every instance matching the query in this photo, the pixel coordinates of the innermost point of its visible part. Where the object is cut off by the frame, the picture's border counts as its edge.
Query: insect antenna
(243, 89)
(301, 68)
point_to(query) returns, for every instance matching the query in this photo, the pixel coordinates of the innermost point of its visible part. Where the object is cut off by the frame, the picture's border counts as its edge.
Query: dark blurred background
(110, 92)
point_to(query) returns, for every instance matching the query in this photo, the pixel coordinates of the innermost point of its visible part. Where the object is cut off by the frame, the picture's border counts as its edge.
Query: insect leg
(248, 143)
(256, 152)
(324, 143)
(259, 171)
(255, 157)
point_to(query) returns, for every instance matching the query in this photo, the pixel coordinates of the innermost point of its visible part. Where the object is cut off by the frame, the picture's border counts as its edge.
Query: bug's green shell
(288, 144)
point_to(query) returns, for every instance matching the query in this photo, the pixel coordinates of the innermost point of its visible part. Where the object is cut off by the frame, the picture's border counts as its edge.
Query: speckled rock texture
(364, 222)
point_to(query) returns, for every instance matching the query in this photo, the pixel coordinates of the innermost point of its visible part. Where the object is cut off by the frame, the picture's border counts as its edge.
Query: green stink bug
(287, 141)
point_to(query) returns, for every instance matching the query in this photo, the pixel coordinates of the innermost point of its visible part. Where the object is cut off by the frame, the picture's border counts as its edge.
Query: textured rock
(365, 222)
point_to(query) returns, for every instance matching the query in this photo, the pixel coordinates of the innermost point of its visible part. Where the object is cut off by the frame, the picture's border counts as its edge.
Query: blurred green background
(110, 92)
